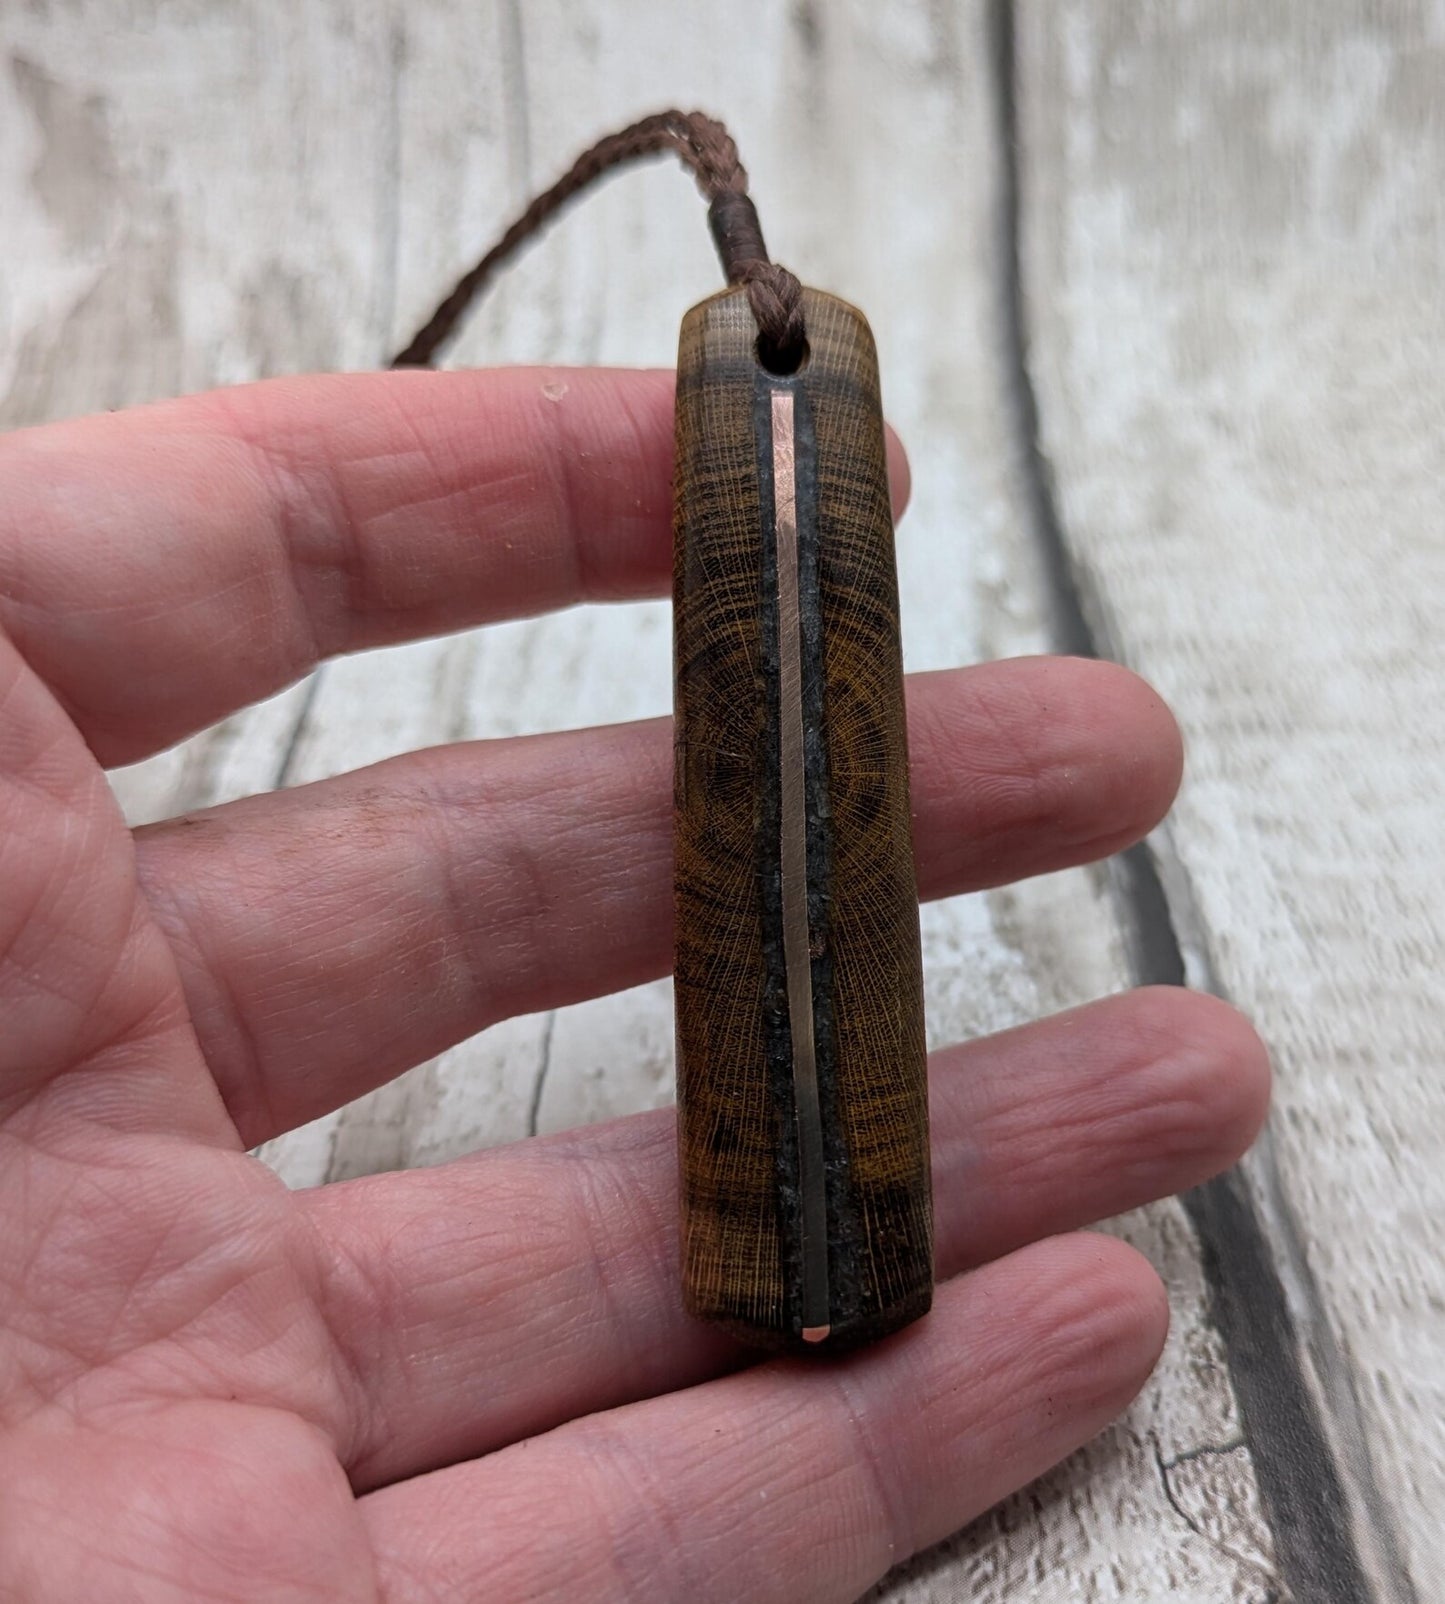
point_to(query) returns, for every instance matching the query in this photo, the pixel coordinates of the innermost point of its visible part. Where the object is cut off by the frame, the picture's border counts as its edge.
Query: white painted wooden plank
(379, 158)
(1234, 228)
(150, 249)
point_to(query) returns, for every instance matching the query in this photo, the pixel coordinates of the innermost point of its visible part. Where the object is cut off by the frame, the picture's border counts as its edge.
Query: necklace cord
(708, 150)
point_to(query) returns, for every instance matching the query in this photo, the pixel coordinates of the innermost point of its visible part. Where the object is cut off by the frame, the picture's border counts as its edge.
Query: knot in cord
(708, 150)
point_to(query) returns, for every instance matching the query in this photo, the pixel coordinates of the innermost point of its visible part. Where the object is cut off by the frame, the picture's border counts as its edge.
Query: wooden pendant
(802, 1094)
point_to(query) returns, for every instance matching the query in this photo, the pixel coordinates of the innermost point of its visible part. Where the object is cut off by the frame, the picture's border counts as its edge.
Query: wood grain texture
(280, 188)
(1233, 228)
(744, 1178)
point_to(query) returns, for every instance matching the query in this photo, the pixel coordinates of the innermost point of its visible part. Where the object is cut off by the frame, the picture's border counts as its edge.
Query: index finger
(161, 567)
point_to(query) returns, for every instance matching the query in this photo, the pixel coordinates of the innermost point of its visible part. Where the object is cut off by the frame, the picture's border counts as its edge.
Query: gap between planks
(1293, 1382)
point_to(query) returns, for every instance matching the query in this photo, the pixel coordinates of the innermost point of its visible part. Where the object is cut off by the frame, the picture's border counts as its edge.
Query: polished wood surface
(741, 1178)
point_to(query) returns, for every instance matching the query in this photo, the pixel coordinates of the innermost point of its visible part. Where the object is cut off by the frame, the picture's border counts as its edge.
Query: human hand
(477, 1380)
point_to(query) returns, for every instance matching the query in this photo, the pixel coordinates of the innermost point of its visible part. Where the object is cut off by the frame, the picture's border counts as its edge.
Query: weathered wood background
(1159, 299)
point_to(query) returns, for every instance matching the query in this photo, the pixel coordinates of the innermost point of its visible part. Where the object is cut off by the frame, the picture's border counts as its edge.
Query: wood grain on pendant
(802, 1088)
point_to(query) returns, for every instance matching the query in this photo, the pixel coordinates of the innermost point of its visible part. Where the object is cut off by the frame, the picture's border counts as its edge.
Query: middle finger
(331, 936)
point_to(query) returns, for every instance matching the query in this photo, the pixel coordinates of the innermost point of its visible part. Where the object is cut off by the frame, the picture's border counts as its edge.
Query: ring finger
(503, 1294)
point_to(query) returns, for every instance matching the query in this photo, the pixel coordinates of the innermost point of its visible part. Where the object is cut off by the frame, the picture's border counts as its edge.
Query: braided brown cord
(705, 147)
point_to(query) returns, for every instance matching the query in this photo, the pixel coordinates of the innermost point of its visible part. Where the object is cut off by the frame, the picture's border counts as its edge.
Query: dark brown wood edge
(739, 1177)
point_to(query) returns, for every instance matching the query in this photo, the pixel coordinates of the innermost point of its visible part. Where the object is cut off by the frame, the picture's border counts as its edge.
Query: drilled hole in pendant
(780, 361)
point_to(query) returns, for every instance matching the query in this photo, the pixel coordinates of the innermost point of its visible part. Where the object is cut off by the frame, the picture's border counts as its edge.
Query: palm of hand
(477, 1381)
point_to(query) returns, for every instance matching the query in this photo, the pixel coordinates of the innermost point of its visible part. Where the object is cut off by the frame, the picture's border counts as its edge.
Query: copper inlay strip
(797, 959)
